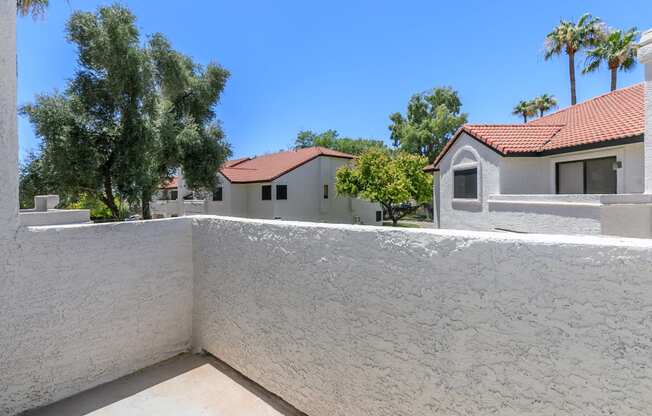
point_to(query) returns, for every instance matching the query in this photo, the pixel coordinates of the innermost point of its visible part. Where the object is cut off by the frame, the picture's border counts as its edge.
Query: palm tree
(617, 50)
(524, 109)
(570, 38)
(35, 7)
(544, 103)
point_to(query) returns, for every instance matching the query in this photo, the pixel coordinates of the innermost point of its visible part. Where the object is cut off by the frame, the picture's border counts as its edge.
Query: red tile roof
(616, 115)
(266, 168)
(269, 167)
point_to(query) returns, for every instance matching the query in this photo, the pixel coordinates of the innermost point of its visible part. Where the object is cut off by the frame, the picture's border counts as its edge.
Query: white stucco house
(554, 174)
(290, 185)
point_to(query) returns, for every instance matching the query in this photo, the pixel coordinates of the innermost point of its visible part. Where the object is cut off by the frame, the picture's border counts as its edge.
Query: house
(290, 185)
(552, 175)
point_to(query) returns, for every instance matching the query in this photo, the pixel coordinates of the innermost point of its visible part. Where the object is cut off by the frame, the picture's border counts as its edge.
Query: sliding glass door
(590, 176)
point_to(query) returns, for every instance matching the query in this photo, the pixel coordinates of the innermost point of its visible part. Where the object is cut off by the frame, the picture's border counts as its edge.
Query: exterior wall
(54, 217)
(518, 194)
(8, 132)
(305, 198)
(343, 320)
(467, 214)
(86, 304)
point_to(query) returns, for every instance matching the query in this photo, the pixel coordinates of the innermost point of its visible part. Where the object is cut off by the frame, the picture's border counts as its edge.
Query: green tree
(524, 109)
(544, 103)
(377, 176)
(331, 140)
(431, 120)
(130, 116)
(33, 180)
(570, 38)
(617, 50)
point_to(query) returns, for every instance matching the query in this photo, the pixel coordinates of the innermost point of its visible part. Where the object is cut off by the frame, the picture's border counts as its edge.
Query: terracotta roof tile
(616, 115)
(269, 167)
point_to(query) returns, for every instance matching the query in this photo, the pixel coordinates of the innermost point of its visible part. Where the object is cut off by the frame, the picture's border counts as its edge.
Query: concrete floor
(187, 385)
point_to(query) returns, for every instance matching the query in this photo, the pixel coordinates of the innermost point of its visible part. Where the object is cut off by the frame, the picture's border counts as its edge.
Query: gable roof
(603, 120)
(266, 168)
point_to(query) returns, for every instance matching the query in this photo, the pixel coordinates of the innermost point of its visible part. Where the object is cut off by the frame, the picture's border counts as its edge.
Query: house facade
(291, 185)
(552, 175)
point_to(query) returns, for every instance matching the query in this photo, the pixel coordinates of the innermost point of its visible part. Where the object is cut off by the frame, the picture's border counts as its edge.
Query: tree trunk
(146, 211)
(108, 198)
(614, 78)
(524, 118)
(571, 73)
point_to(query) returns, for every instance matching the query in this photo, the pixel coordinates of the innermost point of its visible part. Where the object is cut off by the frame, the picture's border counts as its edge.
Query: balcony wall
(84, 305)
(344, 320)
(336, 319)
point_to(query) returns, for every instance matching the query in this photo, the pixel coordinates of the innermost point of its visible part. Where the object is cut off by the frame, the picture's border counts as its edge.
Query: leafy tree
(33, 180)
(544, 103)
(130, 116)
(524, 109)
(570, 38)
(431, 120)
(617, 50)
(331, 140)
(392, 181)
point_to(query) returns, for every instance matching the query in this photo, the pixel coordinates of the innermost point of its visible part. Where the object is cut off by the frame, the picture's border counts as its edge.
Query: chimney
(645, 58)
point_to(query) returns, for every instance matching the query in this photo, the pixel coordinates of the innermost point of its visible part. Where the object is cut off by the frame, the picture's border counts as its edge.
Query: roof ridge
(515, 125)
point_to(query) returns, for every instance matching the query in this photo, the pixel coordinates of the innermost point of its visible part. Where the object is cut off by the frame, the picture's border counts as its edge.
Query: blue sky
(344, 65)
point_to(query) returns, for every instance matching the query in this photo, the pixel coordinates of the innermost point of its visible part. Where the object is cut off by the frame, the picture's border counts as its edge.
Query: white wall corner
(8, 132)
(645, 58)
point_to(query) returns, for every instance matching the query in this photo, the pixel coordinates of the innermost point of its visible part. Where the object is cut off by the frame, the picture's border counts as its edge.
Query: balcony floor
(187, 385)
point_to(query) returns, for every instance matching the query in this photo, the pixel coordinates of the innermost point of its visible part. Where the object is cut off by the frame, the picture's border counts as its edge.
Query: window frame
(325, 190)
(465, 168)
(584, 173)
(220, 194)
(264, 190)
(282, 186)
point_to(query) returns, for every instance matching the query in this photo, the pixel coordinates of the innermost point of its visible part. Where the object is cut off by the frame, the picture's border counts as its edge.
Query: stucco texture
(366, 321)
(86, 304)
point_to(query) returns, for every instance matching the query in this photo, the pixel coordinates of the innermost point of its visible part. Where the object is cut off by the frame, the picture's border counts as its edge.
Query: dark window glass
(281, 192)
(174, 195)
(325, 191)
(379, 216)
(591, 176)
(601, 176)
(217, 194)
(465, 184)
(267, 192)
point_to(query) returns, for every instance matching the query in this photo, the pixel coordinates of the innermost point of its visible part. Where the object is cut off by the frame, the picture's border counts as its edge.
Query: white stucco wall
(343, 320)
(8, 132)
(528, 176)
(84, 305)
(464, 214)
(305, 198)
(54, 217)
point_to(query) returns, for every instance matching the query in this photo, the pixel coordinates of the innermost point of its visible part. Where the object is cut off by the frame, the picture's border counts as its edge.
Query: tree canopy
(570, 38)
(130, 116)
(617, 50)
(431, 120)
(391, 180)
(332, 140)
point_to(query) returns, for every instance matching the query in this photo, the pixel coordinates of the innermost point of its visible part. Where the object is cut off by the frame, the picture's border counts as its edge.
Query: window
(267, 192)
(217, 194)
(590, 176)
(379, 216)
(281, 192)
(465, 184)
(325, 191)
(174, 195)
